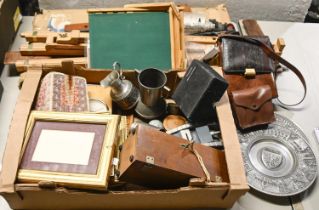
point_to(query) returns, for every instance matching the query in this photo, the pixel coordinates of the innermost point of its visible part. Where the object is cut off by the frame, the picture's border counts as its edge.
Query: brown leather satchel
(248, 67)
(239, 82)
(253, 106)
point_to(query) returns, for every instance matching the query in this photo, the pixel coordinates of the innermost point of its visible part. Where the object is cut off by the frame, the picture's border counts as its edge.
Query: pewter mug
(151, 82)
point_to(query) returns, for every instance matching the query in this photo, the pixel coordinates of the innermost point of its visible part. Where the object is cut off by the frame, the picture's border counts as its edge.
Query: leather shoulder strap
(275, 57)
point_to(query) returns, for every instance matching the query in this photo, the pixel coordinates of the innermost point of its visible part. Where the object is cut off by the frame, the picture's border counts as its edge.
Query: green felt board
(136, 40)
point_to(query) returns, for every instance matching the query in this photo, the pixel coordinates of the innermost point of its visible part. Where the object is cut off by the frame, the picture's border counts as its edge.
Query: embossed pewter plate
(278, 160)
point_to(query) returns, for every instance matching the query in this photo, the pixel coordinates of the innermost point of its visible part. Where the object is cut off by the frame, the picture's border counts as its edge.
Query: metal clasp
(150, 160)
(250, 72)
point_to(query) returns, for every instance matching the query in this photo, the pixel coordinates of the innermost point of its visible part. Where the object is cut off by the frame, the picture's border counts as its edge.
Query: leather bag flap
(252, 98)
(240, 53)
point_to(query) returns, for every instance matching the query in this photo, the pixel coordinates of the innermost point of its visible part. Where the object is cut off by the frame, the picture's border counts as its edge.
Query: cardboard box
(31, 196)
(10, 18)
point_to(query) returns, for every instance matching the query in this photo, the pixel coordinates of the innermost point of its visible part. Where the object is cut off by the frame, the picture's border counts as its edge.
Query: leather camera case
(253, 106)
(198, 90)
(152, 158)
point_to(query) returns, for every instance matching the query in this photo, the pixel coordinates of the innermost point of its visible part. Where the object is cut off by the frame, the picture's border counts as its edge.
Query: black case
(200, 88)
(239, 55)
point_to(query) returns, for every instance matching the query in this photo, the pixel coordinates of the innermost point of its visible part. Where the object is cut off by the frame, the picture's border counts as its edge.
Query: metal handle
(117, 67)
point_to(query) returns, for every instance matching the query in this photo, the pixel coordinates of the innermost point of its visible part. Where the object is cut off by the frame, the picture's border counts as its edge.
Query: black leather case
(238, 55)
(198, 90)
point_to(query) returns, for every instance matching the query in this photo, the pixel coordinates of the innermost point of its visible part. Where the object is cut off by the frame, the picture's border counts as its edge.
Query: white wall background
(281, 10)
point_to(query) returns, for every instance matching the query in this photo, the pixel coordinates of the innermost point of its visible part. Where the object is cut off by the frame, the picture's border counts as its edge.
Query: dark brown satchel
(248, 67)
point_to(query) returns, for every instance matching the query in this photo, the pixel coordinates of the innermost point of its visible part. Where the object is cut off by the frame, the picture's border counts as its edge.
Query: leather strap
(275, 57)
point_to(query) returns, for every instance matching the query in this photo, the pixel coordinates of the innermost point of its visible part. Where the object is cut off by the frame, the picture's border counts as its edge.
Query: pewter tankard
(151, 83)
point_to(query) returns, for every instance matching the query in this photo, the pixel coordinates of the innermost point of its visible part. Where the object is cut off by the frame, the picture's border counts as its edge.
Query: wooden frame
(175, 21)
(95, 180)
(176, 28)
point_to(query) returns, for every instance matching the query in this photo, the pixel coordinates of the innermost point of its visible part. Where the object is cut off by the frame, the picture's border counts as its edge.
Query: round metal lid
(278, 160)
(97, 106)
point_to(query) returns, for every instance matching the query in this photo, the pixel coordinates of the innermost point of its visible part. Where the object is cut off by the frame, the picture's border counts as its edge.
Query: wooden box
(138, 36)
(155, 159)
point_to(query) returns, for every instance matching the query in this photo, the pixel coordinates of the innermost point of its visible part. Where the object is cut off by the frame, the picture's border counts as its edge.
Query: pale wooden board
(53, 64)
(220, 13)
(235, 163)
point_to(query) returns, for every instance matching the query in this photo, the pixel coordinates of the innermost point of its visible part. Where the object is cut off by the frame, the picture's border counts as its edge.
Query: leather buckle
(250, 72)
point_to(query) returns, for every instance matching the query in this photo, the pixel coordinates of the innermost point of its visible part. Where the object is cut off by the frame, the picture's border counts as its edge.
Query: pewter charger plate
(278, 160)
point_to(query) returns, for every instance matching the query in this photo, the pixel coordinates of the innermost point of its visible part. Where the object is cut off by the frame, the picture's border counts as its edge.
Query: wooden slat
(182, 39)
(83, 27)
(281, 43)
(184, 8)
(163, 6)
(235, 163)
(73, 37)
(177, 41)
(53, 64)
(175, 10)
(49, 40)
(43, 49)
(252, 28)
(13, 56)
(118, 9)
(201, 39)
(171, 25)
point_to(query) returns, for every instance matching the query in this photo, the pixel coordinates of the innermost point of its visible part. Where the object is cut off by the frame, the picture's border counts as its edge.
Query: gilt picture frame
(70, 149)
